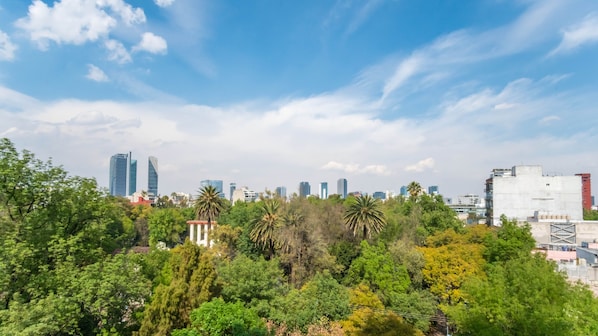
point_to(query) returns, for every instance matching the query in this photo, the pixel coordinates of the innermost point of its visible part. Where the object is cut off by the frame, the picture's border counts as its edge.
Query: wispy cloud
(163, 3)
(96, 74)
(117, 52)
(577, 35)
(151, 43)
(549, 119)
(7, 48)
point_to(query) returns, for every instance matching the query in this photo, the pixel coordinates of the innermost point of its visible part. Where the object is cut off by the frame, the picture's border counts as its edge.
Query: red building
(586, 190)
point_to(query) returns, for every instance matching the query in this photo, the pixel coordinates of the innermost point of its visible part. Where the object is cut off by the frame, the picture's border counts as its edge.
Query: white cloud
(421, 165)
(96, 74)
(117, 52)
(163, 3)
(353, 168)
(7, 48)
(549, 119)
(151, 43)
(76, 21)
(576, 35)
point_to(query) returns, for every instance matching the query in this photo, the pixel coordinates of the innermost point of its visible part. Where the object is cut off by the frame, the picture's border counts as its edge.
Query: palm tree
(414, 189)
(364, 216)
(209, 204)
(266, 227)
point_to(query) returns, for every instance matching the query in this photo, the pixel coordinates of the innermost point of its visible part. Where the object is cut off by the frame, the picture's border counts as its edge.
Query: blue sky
(270, 93)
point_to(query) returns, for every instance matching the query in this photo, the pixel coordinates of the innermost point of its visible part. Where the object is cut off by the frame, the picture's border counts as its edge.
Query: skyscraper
(152, 177)
(433, 190)
(324, 190)
(217, 184)
(404, 191)
(132, 175)
(118, 175)
(341, 187)
(304, 189)
(281, 192)
(232, 188)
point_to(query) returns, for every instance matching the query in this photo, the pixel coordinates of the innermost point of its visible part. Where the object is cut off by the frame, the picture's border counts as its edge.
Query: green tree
(364, 216)
(266, 226)
(166, 225)
(254, 283)
(511, 241)
(320, 298)
(209, 204)
(376, 267)
(523, 296)
(414, 189)
(219, 318)
(190, 280)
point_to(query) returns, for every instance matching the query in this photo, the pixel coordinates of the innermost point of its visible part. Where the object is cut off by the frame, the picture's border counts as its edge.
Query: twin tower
(123, 175)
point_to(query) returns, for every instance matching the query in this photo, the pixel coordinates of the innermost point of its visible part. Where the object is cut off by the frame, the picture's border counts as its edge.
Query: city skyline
(270, 94)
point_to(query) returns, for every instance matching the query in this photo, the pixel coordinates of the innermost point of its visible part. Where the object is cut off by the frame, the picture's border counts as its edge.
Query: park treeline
(76, 261)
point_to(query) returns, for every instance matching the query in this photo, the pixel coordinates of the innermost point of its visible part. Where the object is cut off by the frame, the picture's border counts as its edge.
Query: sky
(272, 93)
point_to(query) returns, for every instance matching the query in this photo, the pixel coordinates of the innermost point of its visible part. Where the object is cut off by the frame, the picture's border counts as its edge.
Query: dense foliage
(76, 261)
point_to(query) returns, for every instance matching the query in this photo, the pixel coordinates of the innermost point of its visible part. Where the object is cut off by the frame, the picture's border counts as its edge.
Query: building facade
(381, 195)
(231, 189)
(323, 190)
(433, 190)
(586, 191)
(118, 175)
(524, 192)
(341, 187)
(304, 189)
(152, 177)
(281, 192)
(244, 195)
(132, 175)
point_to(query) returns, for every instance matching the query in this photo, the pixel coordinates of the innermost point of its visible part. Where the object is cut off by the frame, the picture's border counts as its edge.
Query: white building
(524, 193)
(200, 232)
(244, 195)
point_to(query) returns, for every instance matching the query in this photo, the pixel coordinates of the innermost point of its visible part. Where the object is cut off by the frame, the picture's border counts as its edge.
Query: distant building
(152, 177)
(244, 195)
(433, 190)
(524, 192)
(341, 187)
(324, 190)
(231, 187)
(217, 184)
(304, 189)
(132, 175)
(118, 175)
(469, 208)
(586, 191)
(281, 192)
(404, 191)
(381, 195)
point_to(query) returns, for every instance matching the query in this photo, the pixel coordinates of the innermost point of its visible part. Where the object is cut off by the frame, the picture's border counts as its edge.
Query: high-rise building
(404, 191)
(381, 195)
(433, 190)
(341, 187)
(217, 184)
(281, 192)
(324, 190)
(586, 190)
(132, 175)
(118, 175)
(524, 192)
(304, 189)
(232, 187)
(152, 177)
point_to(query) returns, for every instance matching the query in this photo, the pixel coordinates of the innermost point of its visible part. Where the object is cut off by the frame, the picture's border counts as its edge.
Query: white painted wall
(526, 190)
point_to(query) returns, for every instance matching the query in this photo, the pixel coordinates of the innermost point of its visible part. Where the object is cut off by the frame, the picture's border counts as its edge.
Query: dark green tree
(209, 204)
(364, 216)
(266, 226)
